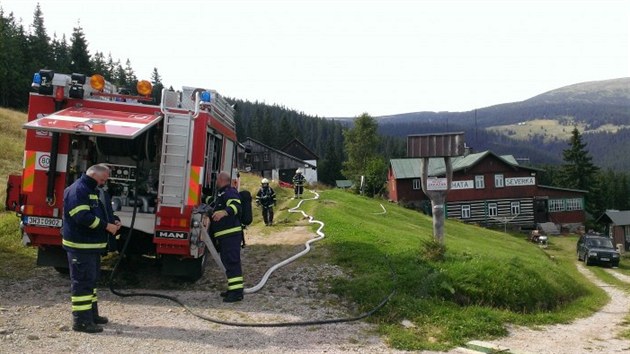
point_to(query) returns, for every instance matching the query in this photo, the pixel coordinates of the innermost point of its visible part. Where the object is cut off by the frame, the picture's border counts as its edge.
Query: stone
(407, 324)
(32, 337)
(4, 331)
(63, 328)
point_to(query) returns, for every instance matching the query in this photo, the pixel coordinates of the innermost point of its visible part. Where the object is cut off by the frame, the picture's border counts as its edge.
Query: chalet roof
(617, 217)
(280, 152)
(343, 183)
(412, 167)
(563, 189)
(305, 153)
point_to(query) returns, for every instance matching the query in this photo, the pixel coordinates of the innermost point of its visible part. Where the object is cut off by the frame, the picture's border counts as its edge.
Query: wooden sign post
(435, 146)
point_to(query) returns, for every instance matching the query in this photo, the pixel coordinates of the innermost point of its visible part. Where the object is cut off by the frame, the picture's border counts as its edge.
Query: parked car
(595, 249)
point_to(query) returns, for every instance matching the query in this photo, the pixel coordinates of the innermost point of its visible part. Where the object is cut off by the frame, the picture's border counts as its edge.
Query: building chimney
(467, 150)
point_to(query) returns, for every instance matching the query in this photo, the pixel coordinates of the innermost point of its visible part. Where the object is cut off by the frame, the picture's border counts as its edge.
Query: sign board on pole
(436, 184)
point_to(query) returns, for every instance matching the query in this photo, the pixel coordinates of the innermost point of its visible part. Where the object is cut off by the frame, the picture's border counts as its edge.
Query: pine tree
(39, 43)
(79, 52)
(156, 80)
(110, 69)
(98, 63)
(330, 167)
(285, 131)
(266, 129)
(579, 172)
(61, 54)
(130, 77)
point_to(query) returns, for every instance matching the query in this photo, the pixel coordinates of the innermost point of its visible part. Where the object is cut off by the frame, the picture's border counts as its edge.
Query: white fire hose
(307, 245)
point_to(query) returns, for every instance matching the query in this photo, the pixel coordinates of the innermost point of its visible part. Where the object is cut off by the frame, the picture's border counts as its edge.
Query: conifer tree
(79, 53)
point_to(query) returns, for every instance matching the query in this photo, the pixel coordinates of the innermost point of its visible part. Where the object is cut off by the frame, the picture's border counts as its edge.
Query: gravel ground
(35, 312)
(594, 334)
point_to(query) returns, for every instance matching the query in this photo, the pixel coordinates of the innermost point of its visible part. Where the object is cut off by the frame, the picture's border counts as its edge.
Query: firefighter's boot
(99, 320)
(87, 327)
(233, 296)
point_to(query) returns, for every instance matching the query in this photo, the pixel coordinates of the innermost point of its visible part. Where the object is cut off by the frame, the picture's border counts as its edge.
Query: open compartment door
(95, 122)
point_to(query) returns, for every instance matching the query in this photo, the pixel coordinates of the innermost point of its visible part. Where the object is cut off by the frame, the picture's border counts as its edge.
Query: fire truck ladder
(176, 151)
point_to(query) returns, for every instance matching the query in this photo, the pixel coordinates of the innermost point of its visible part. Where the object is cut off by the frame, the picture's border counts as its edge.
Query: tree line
(25, 51)
(275, 126)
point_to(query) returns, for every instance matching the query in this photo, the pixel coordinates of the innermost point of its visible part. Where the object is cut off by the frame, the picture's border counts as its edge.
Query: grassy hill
(486, 279)
(12, 139)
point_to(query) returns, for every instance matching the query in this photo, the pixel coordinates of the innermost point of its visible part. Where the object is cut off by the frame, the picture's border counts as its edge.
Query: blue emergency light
(205, 96)
(37, 80)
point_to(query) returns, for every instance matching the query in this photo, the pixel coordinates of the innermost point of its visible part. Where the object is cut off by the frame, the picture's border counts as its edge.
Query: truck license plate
(42, 221)
(605, 259)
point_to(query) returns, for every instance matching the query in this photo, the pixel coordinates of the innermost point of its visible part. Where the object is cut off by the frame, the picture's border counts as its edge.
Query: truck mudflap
(14, 191)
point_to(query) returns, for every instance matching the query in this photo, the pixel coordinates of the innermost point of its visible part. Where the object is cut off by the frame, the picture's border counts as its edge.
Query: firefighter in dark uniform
(88, 223)
(227, 230)
(266, 198)
(298, 183)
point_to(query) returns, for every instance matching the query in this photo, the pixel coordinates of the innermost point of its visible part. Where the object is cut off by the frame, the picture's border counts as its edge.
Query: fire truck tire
(188, 269)
(62, 270)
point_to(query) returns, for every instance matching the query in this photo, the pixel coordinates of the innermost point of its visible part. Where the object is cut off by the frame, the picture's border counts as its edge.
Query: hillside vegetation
(486, 279)
(12, 138)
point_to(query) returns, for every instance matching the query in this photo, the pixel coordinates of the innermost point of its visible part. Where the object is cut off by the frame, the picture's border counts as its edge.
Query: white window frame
(498, 181)
(515, 208)
(556, 205)
(480, 182)
(466, 211)
(493, 207)
(415, 184)
(574, 204)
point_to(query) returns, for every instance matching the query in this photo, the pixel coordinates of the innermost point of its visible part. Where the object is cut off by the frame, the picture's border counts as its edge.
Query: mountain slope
(537, 128)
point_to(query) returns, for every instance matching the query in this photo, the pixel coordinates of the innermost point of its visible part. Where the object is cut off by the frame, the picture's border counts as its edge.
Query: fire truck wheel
(62, 270)
(188, 270)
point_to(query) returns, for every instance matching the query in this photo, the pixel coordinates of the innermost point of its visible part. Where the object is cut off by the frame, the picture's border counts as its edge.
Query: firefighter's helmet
(264, 181)
(298, 171)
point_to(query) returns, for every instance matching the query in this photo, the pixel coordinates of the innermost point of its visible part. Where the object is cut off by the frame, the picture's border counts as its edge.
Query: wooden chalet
(489, 189)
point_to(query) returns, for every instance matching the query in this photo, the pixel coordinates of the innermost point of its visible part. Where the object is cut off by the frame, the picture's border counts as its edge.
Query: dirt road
(595, 334)
(35, 313)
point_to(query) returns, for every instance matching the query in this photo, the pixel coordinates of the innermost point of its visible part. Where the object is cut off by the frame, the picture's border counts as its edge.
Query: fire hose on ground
(261, 283)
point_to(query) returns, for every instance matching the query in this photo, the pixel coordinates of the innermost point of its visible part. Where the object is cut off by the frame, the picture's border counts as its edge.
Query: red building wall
(402, 189)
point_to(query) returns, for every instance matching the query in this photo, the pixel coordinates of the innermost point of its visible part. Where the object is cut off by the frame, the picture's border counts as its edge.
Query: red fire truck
(161, 157)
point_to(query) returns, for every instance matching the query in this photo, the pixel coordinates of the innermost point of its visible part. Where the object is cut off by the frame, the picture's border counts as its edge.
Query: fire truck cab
(162, 158)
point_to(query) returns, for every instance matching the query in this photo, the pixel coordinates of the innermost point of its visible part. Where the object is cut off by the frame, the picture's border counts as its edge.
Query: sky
(340, 58)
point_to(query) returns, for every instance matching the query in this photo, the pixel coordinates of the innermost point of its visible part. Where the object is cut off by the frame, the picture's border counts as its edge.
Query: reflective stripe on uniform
(81, 298)
(87, 307)
(82, 303)
(235, 283)
(96, 222)
(228, 231)
(231, 205)
(94, 298)
(84, 246)
(94, 196)
(78, 209)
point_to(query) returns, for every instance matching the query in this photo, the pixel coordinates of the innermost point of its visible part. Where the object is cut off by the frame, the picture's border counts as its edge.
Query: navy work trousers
(267, 213)
(85, 269)
(231, 257)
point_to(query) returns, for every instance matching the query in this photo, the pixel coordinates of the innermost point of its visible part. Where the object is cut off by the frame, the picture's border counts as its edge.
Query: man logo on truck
(171, 234)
